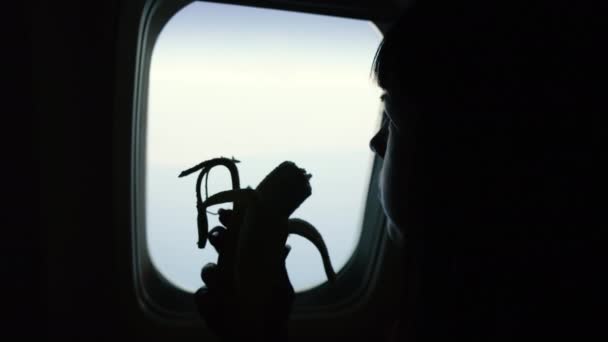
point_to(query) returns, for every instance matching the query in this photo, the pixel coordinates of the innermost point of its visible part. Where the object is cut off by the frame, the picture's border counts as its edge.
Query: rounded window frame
(361, 280)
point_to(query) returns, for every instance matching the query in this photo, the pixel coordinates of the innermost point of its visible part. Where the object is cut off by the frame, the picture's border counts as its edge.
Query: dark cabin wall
(20, 263)
(74, 49)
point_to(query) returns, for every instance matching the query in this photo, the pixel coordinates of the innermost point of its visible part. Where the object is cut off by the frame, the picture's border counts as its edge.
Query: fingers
(216, 238)
(202, 299)
(225, 217)
(209, 275)
(208, 306)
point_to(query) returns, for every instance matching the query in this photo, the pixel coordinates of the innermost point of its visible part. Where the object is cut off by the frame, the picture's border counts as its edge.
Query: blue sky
(263, 86)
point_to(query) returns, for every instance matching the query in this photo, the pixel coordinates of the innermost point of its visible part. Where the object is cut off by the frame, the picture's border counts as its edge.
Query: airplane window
(263, 86)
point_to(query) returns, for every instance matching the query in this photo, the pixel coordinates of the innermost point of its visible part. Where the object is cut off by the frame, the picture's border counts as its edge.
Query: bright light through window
(263, 86)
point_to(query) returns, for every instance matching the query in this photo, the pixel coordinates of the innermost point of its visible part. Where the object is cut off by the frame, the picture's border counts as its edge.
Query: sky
(263, 86)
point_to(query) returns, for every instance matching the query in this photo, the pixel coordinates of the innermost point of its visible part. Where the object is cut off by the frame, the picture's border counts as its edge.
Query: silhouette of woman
(488, 180)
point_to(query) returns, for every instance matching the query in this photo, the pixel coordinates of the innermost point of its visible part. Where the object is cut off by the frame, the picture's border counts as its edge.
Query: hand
(216, 301)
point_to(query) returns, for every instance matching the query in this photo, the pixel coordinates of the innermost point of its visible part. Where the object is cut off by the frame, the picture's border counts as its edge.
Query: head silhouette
(479, 102)
(493, 167)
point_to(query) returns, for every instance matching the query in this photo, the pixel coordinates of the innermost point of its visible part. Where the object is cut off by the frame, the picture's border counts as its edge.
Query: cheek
(393, 186)
(390, 197)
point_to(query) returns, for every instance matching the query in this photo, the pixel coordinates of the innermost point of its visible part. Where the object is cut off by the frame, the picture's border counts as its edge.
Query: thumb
(286, 251)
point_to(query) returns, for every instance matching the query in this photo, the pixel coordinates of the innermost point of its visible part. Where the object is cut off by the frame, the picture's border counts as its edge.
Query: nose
(378, 144)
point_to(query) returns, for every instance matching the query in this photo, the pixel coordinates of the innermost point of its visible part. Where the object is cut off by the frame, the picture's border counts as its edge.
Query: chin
(395, 234)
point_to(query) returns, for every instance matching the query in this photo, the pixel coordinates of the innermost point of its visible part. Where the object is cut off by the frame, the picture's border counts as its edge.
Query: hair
(503, 98)
(484, 55)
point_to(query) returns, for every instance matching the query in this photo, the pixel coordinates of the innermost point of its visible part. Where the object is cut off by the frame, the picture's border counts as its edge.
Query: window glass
(263, 86)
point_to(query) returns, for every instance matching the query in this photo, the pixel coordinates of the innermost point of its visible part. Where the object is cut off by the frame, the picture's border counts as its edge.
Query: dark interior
(84, 290)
